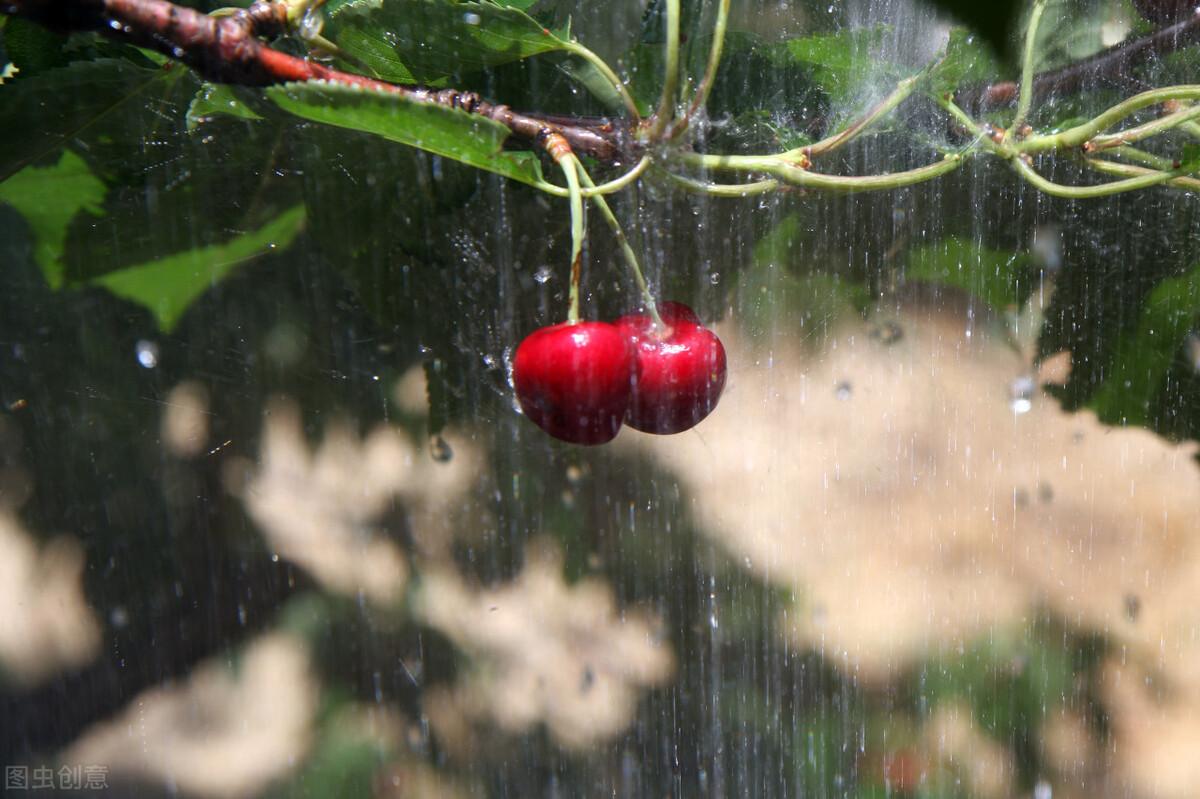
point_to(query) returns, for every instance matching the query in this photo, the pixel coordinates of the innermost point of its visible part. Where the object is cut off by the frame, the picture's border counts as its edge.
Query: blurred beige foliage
(908, 481)
(226, 732)
(45, 622)
(185, 419)
(542, 651)
(322, 508)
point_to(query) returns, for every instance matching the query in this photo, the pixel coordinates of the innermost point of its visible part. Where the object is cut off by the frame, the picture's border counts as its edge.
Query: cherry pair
(580, 381)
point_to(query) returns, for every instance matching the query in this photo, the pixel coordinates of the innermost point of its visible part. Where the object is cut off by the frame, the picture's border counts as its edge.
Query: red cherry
(573, 380)
(681, 370)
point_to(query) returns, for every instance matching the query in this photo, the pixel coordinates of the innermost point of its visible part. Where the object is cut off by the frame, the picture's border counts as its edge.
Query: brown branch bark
(229, 50)
(1108, 67)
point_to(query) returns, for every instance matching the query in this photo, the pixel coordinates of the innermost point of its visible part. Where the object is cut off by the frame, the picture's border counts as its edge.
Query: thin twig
(1110, 65)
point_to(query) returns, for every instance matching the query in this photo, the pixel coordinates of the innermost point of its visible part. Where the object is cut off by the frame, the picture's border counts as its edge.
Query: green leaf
(217, 98)
(755, 132)
(1142, 360)
(1066, 36)
(1189, 158)
(38, 115)
(32, 48)
(166, 286)
(423, 41)
(589, 76)
(965, 61)
(993, 276)
(779, 289)
(468, 138)
(48, 198)
(841, 63)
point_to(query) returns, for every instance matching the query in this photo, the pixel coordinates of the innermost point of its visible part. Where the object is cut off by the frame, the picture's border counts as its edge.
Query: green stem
(1087, 192)
(666, 105)
(901, 93)
(710, 72)
(1151, 128)
(570, 168)
(1025, 99)
(603, 188)
(602, 66)
(1076, 136)
(626, 250)
(1139, 157)
(790, 173)
(1129, 170)
(720, 189)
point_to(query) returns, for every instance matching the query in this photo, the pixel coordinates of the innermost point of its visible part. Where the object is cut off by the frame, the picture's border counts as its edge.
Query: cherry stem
(626, 250)
(901, 93)
(1132, 171)
(666, 105)
(1025, 99)
(1141, 181)
(710, 71)
(719, 189)
(604, 188)
(566, 160)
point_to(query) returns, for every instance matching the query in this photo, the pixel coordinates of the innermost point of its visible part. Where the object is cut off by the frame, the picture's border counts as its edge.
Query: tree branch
(1111, 66)
(229, 50)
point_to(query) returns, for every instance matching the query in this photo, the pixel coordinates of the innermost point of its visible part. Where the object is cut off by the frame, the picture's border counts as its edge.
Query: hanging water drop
(1020, 393)
(311, 24)
(147, 353)
(439, 449)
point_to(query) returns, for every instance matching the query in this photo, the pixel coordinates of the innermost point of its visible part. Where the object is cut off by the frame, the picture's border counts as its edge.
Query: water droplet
(543, 273)
(714, 278)
(311, 24)
(576, 474)
(147, 353)
(1046, 247)
(1020, 392)
(887, 332)
(439, 449)
(1133, 606)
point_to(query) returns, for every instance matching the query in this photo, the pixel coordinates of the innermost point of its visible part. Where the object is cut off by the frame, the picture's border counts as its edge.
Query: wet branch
(229, 50)
(1111, 66)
